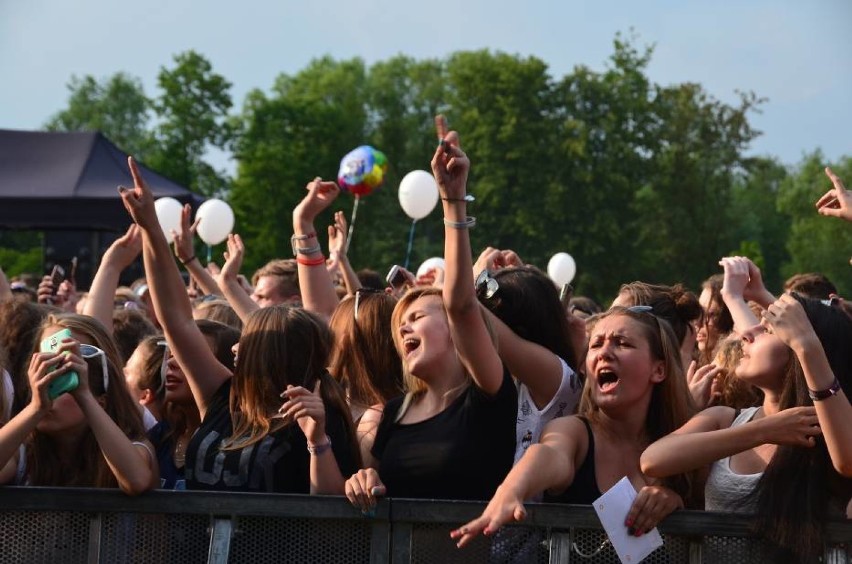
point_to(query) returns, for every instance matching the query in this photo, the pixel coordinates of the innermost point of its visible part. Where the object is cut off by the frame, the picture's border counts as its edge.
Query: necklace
(180, 451)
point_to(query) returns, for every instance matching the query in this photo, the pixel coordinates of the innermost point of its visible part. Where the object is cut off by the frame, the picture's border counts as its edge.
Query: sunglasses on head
(364, 292)
(486, 285)
(91, 351)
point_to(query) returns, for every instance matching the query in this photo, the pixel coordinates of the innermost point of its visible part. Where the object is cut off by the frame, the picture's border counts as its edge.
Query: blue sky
(796, 54)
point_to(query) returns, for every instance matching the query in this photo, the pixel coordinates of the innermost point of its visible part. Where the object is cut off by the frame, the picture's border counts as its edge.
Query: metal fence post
(93, 555)
(220, 541)
(560, 548)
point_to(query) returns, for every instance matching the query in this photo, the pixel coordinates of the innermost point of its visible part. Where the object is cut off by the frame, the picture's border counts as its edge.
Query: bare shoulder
(710, 419)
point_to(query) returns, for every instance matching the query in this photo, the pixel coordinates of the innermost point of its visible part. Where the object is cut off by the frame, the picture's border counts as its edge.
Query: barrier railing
(61, 525)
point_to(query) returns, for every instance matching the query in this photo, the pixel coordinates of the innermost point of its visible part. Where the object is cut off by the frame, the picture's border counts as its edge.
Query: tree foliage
(636, 180)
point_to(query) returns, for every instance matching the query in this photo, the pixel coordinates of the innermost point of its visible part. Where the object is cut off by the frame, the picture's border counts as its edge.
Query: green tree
(193, 111)
(116, 106)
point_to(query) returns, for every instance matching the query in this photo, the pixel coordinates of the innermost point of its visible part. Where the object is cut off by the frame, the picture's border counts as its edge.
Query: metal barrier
(65, 525)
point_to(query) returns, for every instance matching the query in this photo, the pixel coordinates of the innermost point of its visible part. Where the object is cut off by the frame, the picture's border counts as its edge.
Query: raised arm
(337, 251)
(315, 283)
(735, 280)
(229, 279)
(477, 352)
(119, 256)
(185, 252)
(204, 373)
(548, 465)
(708, 437)
(789, 321)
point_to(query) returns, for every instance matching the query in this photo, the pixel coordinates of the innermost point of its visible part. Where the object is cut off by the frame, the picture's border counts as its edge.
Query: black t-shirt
(279, 463)
(464, 452)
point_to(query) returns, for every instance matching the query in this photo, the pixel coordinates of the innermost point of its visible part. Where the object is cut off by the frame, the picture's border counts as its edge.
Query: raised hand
(125, 249)
(787, 319)
(337, 237)
(652, 505)
(320, 196)
(184, 248)
(701, 383)
(233, 258)
(450, 166)
(139, 201)
(490, 259)
(736, 276)
(505, 507)
(837, 202)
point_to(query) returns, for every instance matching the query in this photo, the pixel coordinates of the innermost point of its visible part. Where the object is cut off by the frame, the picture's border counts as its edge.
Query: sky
(797, 55)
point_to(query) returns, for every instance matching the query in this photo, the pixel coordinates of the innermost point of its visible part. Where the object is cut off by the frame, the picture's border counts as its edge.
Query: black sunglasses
(486, 285)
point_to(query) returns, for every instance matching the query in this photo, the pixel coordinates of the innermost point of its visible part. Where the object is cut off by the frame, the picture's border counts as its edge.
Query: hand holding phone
(396, 277)
(64, 382)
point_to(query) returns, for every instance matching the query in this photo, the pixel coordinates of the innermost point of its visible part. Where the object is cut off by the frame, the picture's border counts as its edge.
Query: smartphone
(396, 277)
(57, 277)
(565, 294)
(65, 382)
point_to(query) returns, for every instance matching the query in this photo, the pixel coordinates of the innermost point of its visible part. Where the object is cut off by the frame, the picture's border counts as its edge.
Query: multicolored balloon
(362, 170)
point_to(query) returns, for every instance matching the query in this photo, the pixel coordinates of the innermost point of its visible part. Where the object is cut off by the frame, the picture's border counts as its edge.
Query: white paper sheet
(612, 508)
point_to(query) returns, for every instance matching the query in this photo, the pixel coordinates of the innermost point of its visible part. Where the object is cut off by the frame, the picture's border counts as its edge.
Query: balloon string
(352, 223)
(209, 254)
(410, 242)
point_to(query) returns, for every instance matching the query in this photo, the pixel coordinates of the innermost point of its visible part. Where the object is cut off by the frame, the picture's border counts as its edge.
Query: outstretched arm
(119, 256)
(204, 373)
(548, 465)
(470, 336)
(229, 280)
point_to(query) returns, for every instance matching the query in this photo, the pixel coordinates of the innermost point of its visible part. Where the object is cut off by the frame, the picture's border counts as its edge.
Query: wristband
(820, 395)
(311, 262)
(187, 261)
(469, 221)
(316, 450)
(304, 250)
(466, 198)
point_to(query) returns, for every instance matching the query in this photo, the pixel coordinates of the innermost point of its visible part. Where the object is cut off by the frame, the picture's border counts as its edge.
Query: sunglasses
(89, 352)
(364, 292)
(486, 285)
(164, 365)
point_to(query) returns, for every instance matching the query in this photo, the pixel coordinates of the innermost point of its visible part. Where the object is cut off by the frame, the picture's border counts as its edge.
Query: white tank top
(725, 490)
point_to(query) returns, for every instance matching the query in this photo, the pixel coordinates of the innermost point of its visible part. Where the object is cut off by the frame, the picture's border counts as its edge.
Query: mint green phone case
(65, 382)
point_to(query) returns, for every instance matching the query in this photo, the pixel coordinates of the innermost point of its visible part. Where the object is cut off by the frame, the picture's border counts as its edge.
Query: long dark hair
(796, 519)
(528, 302)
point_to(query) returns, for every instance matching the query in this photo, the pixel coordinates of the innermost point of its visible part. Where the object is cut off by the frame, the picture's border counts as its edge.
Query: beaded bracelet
(819, 395)
(316, 450)
(469, 221)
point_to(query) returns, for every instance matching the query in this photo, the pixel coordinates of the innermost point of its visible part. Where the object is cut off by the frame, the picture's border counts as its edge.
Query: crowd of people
(474, 381)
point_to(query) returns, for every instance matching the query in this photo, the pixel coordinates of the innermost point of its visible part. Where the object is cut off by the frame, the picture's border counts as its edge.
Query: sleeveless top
(725, 490)
(531, 420)
(584, 488)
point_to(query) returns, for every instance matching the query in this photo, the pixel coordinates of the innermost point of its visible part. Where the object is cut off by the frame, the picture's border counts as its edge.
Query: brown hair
(364, 359)
(217, 310)
(675, 304)
(130, 326)
(671, 404)
(20, 323)
(224, 338)
(280, 346)
(721, 319)
(90, 468)
(735, 392)
(811, 285)
(285, 271)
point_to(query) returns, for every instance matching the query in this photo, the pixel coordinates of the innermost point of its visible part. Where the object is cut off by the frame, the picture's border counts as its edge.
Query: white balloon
(561, 268)
(168, 214)
(418, 194)
(434, 262)
(217, 221)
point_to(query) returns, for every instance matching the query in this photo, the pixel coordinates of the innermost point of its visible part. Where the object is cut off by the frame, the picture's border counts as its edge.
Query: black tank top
(584, 488)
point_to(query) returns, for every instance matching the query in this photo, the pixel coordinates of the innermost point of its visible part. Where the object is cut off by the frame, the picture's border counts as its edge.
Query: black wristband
(187, 261)
(820, 395)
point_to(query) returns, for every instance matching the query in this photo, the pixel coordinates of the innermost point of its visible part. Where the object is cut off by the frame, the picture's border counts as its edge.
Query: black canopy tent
(65, 185)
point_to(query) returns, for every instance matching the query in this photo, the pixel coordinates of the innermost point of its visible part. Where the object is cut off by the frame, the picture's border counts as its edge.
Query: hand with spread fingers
(305, 408)
(837, 202)
(652, 505)
(184, 248)
(701, 383)
(233, 259)
(504, 508)
(125, 249)
(139, 201)
(364, 488)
